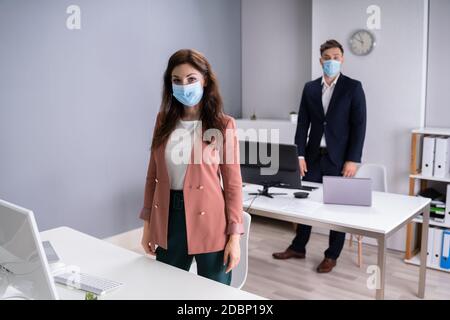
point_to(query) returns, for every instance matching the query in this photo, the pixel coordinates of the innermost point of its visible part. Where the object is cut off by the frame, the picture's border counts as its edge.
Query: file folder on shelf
(429, 144)
(445, 252)
(437, 245)
(447, 208)
(430, 245)
(442, 157)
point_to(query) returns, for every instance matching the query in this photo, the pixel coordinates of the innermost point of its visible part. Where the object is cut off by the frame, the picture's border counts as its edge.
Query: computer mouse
(301, 194)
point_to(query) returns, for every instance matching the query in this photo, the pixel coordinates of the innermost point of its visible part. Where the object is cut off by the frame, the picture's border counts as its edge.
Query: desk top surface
(143, 277)
(388, 210)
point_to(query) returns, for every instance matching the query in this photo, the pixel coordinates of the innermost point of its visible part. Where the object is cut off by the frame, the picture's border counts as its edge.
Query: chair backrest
(375, 172)
(239, 274)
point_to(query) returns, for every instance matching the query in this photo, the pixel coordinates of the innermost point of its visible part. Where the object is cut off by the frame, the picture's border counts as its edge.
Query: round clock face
(362, 42)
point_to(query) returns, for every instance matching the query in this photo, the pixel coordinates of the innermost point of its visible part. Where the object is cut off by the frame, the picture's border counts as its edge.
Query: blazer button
(202, 213)
(156, 180)
(200, 187)
(325, 123)
(156, 206)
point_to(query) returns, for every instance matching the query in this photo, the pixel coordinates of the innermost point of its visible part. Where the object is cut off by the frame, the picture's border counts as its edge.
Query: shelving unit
(421, 177)
(412, 253)
(433, 223)
(416, 261)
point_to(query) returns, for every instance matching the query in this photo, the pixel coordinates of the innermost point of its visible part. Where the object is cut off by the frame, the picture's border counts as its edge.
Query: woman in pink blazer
(193, 193)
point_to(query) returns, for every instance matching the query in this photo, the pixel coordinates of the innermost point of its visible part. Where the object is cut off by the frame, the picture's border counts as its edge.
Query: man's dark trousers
(322, 166)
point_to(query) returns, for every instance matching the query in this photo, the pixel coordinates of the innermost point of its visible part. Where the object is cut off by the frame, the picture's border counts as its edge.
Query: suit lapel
(162, 160)
(336, 93)
(317, 96)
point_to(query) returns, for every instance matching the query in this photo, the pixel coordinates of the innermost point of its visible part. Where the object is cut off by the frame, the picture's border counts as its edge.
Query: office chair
(239, 274)
(377, 173)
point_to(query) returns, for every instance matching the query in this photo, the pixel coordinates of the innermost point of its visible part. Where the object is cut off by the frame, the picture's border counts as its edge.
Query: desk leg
(382, 266)
(423, 252)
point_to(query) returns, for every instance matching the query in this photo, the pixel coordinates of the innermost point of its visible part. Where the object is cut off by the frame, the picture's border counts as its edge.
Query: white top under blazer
(178, 152)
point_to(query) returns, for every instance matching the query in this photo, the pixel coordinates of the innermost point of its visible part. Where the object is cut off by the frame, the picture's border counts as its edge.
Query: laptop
(347, 191)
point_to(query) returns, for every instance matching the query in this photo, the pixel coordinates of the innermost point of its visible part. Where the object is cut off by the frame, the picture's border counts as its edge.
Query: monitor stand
(307, 188)
(265, 191)
(8, 292)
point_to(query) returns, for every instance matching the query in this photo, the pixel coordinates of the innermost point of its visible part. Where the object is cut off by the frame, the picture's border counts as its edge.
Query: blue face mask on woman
(189, 94)
(331, 68)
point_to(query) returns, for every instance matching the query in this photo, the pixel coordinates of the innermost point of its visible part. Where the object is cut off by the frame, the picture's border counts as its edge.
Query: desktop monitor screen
(24, 268)
(270, 164)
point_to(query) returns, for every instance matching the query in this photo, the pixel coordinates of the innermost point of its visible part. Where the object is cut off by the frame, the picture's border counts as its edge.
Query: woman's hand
(232, 253)
(145, 242)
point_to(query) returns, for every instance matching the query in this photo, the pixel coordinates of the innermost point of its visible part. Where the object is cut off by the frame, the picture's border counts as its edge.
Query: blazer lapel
(317, 96)
(162, 160)
(336, 93)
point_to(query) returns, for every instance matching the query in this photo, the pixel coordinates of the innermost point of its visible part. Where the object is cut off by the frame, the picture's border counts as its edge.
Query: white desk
(143, 278)
(389, 213)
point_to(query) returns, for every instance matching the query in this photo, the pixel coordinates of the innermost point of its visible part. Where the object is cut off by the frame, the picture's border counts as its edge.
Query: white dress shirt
(327, 93)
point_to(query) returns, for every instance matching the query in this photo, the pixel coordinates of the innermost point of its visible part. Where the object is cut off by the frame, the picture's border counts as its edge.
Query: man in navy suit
(333, 110)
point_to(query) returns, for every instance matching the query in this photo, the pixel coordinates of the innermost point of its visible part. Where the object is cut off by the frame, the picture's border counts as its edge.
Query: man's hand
(350, 169)
(303, 168)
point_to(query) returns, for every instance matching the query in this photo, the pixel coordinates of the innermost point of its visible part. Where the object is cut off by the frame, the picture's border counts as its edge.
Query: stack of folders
(437, 211)
(440, 210)
(440, 205)
(438, 251)
(436, 157)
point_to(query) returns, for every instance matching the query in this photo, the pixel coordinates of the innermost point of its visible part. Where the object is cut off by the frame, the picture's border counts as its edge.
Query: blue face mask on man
(331, 68)
(189, 94)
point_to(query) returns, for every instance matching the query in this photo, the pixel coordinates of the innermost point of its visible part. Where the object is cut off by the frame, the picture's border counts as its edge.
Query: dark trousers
(323, 166)
(209, 265)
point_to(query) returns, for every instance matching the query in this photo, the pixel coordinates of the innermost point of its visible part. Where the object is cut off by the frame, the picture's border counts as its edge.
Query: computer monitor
(24, 269)
(270, 165)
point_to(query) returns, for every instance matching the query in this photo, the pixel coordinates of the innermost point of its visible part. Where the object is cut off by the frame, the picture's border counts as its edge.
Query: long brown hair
(211, 105)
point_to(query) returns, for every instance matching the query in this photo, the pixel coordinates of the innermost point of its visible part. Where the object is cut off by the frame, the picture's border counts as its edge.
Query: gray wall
(77, 108)
(392, 77)
(438, 95)
(276, 55)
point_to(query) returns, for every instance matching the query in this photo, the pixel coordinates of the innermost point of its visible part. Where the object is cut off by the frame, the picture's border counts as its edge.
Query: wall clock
(362, 42)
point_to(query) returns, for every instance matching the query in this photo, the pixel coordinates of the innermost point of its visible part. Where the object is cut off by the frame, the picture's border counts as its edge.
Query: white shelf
(430, 178)
(432, 223)
(416, 261)
(433, 131)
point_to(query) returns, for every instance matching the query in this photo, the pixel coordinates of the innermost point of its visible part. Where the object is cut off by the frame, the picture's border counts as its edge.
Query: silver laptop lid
(347, 191)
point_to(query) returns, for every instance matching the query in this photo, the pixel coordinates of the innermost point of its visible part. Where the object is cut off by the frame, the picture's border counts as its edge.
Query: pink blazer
(212, 212)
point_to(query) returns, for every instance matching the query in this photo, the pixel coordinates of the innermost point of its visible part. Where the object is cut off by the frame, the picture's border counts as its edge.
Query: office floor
(297, 279)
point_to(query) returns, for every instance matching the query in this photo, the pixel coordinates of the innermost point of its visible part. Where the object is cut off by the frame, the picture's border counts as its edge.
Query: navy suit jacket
(344, 124)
